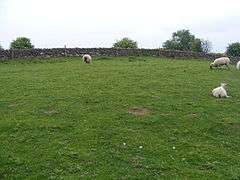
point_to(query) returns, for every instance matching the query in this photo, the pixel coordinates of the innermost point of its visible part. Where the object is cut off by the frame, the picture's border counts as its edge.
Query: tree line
(181, 40)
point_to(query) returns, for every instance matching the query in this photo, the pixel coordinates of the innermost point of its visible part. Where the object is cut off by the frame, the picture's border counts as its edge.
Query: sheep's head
(87, 61)
(211, 65)
(223, 85)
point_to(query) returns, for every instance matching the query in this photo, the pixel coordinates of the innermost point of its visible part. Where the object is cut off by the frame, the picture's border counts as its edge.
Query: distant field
(118, 118)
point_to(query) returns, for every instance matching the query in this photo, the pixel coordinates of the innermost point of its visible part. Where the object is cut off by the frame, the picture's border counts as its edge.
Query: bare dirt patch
(139, 111)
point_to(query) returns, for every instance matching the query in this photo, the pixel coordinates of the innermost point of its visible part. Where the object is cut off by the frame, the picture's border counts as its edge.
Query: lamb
(220, 62)
(87, 58)
(220, 91)
(238, 65)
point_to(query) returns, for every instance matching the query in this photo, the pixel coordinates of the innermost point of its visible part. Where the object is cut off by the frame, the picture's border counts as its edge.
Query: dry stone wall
(69, 52)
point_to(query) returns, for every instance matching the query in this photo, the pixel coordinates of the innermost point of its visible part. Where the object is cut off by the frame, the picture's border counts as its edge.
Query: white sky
(99, 23)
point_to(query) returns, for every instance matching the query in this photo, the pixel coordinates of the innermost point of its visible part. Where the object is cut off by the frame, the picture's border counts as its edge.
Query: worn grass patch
(139, 111)
(118, 118)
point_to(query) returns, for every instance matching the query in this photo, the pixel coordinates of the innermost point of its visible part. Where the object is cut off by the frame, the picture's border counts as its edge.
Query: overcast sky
(99, 23)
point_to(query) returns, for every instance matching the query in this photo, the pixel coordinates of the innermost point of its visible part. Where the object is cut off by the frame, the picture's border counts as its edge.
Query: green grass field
(118, 118)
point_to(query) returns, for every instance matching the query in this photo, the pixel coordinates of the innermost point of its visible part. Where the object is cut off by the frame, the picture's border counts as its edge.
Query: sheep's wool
(220, 62)
(87, 58)
(220, 92)
(238, 65)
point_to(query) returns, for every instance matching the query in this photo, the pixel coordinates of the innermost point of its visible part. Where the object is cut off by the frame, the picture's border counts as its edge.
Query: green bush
(233, 49)
(21, 43)
(125, 43)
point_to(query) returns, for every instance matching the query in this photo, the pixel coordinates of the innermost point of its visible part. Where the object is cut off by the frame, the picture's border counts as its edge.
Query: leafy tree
(21, 43)
(183, 40)
(171, 45)
(125, 43)
(233, 49)
(196, 45)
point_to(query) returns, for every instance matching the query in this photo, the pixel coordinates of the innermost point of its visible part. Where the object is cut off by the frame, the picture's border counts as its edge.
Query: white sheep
(87, 58)
(220, 62)
(220, 91)
(238, 65)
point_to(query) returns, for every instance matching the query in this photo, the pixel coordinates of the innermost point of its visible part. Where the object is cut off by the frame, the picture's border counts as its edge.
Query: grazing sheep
(220, 62)
(220, 91)
(238, 65)
(87, 58)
